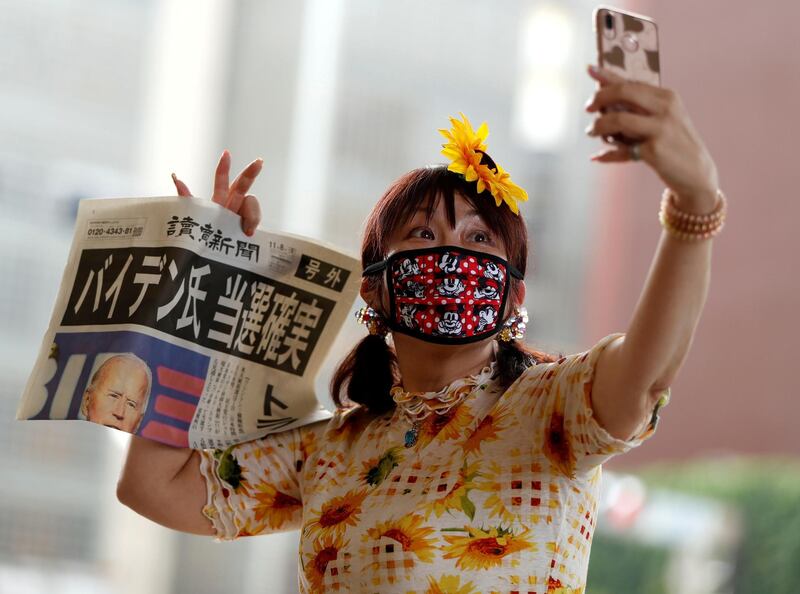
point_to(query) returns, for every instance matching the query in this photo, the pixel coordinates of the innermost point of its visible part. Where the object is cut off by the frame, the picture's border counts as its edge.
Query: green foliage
(618, 566)
(766, 492)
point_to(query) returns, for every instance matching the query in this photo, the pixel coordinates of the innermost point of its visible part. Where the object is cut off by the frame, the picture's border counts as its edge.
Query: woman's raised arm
(161, 482)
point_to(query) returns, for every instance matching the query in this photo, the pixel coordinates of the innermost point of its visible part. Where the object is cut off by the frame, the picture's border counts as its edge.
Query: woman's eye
(422, 233)
(480, 237)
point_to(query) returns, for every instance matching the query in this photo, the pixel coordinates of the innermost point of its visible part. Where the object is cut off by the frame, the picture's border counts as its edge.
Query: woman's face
(470, 231)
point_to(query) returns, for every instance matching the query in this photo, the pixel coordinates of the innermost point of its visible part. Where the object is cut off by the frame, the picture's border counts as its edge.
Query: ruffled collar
(413, 401)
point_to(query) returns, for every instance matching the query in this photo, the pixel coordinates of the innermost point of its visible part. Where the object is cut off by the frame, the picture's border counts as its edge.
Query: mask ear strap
(374, 268)
(514, 272)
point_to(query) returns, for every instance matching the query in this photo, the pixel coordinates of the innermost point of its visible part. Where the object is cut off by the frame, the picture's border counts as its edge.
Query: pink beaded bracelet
(690, 226)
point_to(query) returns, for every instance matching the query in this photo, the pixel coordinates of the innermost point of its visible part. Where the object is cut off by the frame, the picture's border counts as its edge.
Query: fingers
(235, 197)
(604, 75)
(221, 176)
(638, 96)
(183, 190)
(630, 124)
(616, 155)
(250, 212)
(242, 183)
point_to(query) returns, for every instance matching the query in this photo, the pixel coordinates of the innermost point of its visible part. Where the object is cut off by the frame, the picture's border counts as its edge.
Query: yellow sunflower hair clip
(466, 150)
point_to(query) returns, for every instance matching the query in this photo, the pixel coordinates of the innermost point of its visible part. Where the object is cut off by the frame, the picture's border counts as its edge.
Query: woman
(459, 461)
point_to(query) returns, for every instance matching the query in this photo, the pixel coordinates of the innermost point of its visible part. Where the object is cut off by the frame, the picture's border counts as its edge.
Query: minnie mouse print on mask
(445, 294)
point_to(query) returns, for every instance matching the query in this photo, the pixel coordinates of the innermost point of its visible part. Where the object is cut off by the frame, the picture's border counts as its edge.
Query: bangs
(422, 189)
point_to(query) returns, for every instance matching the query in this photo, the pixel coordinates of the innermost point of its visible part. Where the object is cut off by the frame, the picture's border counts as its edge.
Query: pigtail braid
(513, 358)
(366, 375)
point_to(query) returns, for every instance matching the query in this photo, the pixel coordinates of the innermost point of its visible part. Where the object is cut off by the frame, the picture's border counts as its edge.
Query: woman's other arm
(164, 484)
(161, 482)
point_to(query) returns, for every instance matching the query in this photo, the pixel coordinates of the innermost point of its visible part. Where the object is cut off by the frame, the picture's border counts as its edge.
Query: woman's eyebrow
(470, 214)
(420, 211)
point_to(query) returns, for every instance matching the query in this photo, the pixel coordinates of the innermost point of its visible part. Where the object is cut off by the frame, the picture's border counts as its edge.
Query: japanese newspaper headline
(172, 324)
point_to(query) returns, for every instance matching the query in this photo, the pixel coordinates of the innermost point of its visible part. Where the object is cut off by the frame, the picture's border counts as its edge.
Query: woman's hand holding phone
(660, 124)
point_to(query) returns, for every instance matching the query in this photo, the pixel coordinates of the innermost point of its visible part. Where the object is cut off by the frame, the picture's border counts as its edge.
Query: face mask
(445, 294)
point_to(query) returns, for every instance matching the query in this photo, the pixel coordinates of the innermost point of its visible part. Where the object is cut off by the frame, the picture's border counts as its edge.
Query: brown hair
(369, 371)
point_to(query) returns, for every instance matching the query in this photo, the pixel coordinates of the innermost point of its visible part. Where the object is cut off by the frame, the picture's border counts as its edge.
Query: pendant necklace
(424, 409)
(417, 406)
(412, 434)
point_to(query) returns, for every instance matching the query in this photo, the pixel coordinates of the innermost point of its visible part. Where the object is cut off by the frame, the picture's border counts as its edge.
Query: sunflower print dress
(499, 495)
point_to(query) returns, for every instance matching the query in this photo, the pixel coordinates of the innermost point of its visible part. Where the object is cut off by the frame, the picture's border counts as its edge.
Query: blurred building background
(340, 97)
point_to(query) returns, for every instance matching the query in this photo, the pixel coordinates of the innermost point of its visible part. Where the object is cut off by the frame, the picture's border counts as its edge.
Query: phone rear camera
(609, 21)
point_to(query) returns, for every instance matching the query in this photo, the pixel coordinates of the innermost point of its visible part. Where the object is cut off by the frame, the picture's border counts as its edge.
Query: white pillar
(313, 119)
(183, 93)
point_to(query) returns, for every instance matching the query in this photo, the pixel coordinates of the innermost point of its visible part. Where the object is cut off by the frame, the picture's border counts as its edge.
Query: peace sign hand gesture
(233, 196)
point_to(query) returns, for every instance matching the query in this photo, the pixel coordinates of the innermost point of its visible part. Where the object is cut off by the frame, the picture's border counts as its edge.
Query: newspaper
(172, 324)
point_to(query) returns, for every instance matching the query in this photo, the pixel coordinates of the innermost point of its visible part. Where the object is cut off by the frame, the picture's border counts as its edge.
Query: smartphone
(627, 44)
